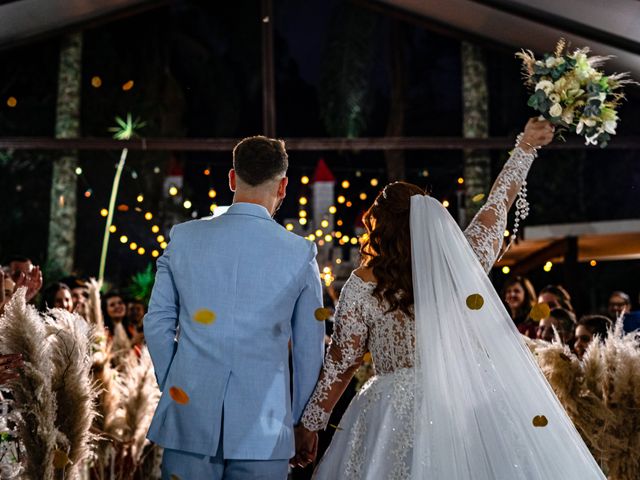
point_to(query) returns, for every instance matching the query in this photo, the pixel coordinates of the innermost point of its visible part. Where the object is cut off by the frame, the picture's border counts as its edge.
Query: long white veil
(483, 409)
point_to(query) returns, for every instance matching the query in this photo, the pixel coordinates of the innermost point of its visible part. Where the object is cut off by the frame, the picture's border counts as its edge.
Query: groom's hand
(306, 447)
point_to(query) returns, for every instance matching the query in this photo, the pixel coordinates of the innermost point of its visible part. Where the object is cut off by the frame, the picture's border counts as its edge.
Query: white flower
(550, 62)
(554, 98)
(545, 85)
(567, 116)
(609, 126)
(555, 110)
(590, 122)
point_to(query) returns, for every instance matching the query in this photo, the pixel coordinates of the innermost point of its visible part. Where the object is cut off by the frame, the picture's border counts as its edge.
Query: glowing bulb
(345, 239)
(338, 234)
(339, 223)
(460, 181)
(506, 269)
(304, 180)
(324, 223)
(155, 229)
(213, 206)
(506, 233)
(148, 216)
(338, 261)
(163, 245)
(207, 172)
(186, 204)
(303, 200)
(547, 266)
(445, 203)
(112, 229)
(212, 193)
(302, 214)
(321, 242)
(354, 241)
(133, 245)
(374, 182)
(328, 238)
(12, 102)
(289, 226)
(160, 238)
(302, 221)
(173, 191)
(593, 263)
(345, 184)
(312, 237)
(78, 171)
(326, 270)
(319, 233)
(87, 193)
(127, 86)
(141, 251)
(140, 198)
(341, 199)
(124, 239)
(363, 196)
(349, 204)
(155, 253)
(104, 212)
(96, 82)
(332, 209)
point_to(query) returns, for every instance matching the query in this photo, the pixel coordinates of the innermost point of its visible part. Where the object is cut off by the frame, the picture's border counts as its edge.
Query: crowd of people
(561, 323)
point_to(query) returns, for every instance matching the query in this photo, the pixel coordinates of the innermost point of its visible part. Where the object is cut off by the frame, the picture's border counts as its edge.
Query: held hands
(537, 133)
(306, 447)
(31, 280)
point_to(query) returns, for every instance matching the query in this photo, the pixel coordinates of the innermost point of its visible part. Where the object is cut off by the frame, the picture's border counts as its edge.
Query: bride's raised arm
(485, 233)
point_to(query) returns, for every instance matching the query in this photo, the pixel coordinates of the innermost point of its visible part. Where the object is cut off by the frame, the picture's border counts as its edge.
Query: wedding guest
(114, 310)
(588, 329)
(19, 264)
(563, 321)
(79, 294)
(6, 289)
(519, 296)
(619, 304)
(136, 310)
(58, 295)
(556, 297)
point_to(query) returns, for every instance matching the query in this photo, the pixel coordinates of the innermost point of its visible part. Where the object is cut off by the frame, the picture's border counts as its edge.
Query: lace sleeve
(485, 233)
(348, 346)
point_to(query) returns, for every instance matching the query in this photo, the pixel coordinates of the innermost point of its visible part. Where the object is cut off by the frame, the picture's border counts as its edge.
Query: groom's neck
(267, 203)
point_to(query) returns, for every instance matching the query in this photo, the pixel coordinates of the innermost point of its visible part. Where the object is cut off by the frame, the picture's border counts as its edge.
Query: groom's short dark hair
(259, 159)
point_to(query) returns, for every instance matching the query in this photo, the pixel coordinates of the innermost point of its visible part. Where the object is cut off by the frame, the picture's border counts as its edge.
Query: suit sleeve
(161, 321)
(307, 338)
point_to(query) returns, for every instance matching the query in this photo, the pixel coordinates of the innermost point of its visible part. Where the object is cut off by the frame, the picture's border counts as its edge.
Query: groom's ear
(282, 187)
(232, 180)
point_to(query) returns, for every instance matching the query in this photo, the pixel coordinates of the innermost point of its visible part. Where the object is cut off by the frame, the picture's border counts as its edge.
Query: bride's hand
(537, 133)
(306, 447)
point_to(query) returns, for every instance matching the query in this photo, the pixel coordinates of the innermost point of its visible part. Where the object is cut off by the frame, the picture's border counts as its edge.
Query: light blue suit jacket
(263, 286)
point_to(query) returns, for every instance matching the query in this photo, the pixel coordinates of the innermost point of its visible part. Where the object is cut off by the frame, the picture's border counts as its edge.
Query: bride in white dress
(456, 395)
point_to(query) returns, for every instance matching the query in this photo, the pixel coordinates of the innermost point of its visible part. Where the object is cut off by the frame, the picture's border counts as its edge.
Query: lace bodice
(362, 323)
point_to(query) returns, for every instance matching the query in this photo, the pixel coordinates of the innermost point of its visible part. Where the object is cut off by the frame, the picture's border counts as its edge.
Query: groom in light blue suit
(231, 294)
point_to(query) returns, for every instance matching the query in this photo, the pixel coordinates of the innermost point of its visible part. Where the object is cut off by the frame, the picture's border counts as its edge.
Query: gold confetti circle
(322, 314)
(367, 357)
(540, 421)
(475, 301)
(60, 459)
(179, 396)
(540, 311)
(204, 316)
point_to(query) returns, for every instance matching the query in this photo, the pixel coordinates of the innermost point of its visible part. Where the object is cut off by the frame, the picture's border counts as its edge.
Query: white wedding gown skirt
(375, 437)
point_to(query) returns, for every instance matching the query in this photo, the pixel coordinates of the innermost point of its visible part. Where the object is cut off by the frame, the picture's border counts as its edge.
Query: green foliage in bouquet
(572, 93)
(142, 284)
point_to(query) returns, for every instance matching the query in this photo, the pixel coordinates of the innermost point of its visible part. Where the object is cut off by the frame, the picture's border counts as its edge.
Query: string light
(332, 209)
(303, 200)
(302, 214)
(213, 206)
(112, 229)
(328, 238)
(289, 226)
(339, 223)
(304, 180)
(319, 233)
(547, 266)
(324, 223)
(212, 193)
(173, 191)
(163, 245)
(593, 263)
(354, 241)
(12, 102)
(148, 216)
(140, 198)
(160, 238)
(374, 182)
(349, 204)
(312, 237)
(506, 233)
(104, 212)
(127, 86)
(78, 171)
(345, 239)
(124, 239)
(445, 203)
(341, 199)
(506, 270)
(186, 204)
(123, 208)
(326, 270)
(345, 184)
(133, 245)
(338, 261)
(96, 81)
(141, 251)
(207, 172)
(363, 196)
(302, 221)
(460, 180)
(155, 229)
(338, 234)
(155, 253)
(87, 193)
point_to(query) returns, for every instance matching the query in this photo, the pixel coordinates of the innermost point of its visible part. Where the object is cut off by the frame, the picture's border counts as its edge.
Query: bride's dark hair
(386, 247)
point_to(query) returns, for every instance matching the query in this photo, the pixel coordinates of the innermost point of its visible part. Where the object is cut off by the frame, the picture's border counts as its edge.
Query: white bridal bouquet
(571, 92)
